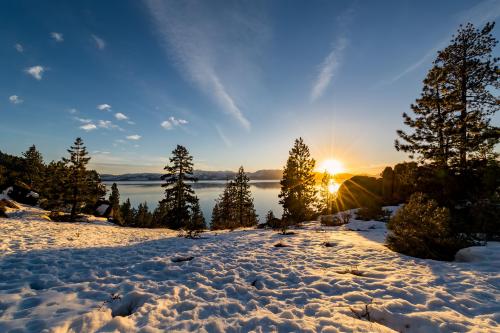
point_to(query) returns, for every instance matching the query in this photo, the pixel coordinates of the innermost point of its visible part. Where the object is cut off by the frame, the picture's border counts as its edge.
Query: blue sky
(234, 81)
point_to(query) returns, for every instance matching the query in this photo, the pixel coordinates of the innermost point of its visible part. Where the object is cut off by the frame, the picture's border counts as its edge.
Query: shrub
(330, 220)
(345, 217)
(422, 229)
(372, 212)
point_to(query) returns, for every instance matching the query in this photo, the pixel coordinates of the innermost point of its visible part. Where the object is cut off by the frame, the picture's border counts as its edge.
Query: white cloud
(173, 122)
(57, 36)
(202, 48)
(99, 42)
(134, 137)
(14, 99)
(36, 71)
(327, 69)
(83, 120)
(19, 48)
(72, 110)
(104, 107)
(167, 125)
(88, 127)
(107, 124)
(120, 116)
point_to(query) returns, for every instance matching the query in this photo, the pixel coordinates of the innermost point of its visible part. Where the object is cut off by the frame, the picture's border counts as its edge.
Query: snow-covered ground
(87, 277)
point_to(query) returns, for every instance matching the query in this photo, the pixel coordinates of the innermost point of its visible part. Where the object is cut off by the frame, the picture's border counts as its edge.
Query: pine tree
(196, 222)
(224, 215)
(244, 208)
(297, 186)
(114, 201)
(325, 204)
(143, 216)
(127, 213)
(431, 139)
(471, 76)
(452, 125)
(34, 167)
(55, 186)
(179, 195)
(78, 185)
(160, 214)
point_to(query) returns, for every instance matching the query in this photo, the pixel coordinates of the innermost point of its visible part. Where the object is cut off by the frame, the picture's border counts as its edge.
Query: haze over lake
(265, 194)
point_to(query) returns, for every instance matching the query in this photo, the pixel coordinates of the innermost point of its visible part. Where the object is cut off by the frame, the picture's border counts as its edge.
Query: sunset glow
(331, 166)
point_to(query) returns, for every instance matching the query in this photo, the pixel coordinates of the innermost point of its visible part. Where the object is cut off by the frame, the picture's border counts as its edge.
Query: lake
(265, 194)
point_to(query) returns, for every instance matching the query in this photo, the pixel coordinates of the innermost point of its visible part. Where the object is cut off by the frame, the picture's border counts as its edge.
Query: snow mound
(488, 254)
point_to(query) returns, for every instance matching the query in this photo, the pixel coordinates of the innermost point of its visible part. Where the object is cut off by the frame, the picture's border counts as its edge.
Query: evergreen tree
(160, 214)
(34, 167)
(114, 201)
(471, 76)
(297, 186)
(127, 213)
(143, 217)
(244, 208)
(224, 214)
(325, 204)
(55, 191)
(196, 222)
(388, 183)
(78, 184)
(452, 125)
(179, 195)
(432, 125)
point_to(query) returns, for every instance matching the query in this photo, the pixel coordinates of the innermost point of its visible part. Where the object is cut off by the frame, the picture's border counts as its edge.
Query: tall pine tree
(245, 210)
(179, 196)
(452, 124)
(114, 201)
(78, 184)
(34, 167)
(297, 186)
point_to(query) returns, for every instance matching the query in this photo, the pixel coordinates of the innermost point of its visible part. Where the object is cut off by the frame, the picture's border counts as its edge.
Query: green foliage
(298, 191)
(451, 127)
(179, 196)
(34, 168)
(114, 201)
(422, 229)
(78, 181)
(371, 213)
(234, 208)
(359, 191)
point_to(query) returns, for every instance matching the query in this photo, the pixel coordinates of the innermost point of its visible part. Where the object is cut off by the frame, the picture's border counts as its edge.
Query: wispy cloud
(120, 116)
(134, 137)
(19, 48)
(173, 122)
(83, 120)
(104, 107)
(36, 71)
(223, 137)
(72, 110)
(328, 68)
(108, 124)
(57, 36)
(203, 44)
(88, 127)
(14, 99)
(479, 14)
(99, 42)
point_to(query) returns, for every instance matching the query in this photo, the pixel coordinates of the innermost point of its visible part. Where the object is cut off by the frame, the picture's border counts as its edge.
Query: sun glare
(333, 186)
(332, 166)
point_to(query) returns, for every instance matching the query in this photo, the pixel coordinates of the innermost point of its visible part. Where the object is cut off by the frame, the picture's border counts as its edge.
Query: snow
(98, 277)
(101, 210)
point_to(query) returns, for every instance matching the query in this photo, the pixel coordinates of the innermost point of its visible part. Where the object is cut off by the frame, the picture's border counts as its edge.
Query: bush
(422, 229)
(369, 213)
(330, 220)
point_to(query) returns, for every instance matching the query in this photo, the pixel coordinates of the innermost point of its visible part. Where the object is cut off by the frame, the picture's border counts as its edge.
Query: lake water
(265, 194)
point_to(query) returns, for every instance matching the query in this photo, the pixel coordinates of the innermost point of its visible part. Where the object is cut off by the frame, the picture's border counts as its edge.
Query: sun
(331, 166)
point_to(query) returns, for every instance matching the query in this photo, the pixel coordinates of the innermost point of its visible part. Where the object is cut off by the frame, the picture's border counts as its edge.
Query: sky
(234, 81)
